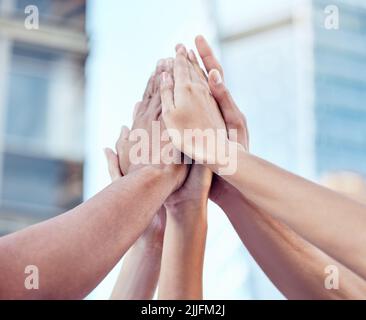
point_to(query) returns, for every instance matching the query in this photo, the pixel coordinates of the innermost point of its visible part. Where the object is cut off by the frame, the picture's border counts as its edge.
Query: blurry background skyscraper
(41, 110)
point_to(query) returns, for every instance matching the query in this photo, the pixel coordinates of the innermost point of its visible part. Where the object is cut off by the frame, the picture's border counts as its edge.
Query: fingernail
(216, 77)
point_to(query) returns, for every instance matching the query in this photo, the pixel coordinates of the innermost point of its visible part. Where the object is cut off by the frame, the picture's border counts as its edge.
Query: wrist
(189, 205)
(188, 215)
(151, 244)
(226, 162)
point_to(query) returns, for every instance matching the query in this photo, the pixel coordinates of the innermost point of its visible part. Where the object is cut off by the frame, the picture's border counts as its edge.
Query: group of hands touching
(180, 95)
(154, 214)
(179, 86)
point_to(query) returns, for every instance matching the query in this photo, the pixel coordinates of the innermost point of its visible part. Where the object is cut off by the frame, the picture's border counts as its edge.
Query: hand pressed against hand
(233, 117)
(188, 104)
(143, 144)
(196, 188)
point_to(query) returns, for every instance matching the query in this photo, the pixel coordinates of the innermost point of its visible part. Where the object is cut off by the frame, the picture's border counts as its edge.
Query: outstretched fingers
(181, 67)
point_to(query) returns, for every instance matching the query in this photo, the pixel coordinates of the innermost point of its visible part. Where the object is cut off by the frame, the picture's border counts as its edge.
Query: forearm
(140, 270)
(86, 242)
(139, 273)
(295, 266)
(183, 253)
(330, 221)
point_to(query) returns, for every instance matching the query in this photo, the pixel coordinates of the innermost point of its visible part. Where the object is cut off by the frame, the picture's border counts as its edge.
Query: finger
(167, 93)
(181, 68)
(170, 62)
(178, 46)
(207, 55)
(125, 133)
(195, 77)
(136, 109)
(193, 58)
(149, 88)
(113, 164)
(164, 65)
(232, 115)
(199, 72)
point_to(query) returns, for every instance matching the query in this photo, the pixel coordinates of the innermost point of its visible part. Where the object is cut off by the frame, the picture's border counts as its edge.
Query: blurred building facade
(300, 79)
(41, 110)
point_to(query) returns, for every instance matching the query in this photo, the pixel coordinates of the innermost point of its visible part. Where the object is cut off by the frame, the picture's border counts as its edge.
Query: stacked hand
(177, 89)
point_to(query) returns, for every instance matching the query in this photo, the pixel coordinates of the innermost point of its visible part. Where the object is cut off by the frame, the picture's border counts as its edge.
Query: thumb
(113, 164)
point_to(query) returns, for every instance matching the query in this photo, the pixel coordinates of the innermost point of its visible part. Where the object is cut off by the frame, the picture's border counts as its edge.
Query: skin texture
(256, 198)
(276, 248)
(185, 232)
(70, 250)
(140, 271)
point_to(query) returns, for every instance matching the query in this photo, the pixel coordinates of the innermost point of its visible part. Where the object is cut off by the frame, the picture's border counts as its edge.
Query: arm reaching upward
(74, 251)
(140, 271)
(258, 214)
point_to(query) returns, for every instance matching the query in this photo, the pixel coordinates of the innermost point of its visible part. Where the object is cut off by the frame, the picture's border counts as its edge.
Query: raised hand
(233, 117)
(145, 145)
(189, 109)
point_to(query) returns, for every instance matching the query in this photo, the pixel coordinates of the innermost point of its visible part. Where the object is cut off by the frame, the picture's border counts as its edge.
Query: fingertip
(199, 38)
(178, 46)
(109, 154)
(125, 132)
(182, 51)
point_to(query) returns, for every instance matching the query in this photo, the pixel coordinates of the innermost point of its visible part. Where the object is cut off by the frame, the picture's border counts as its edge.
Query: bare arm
(140, 271)
(185, 238)
(331, 221)
(75, 251)
(295, 266)
(282, 254)
(292, 198)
